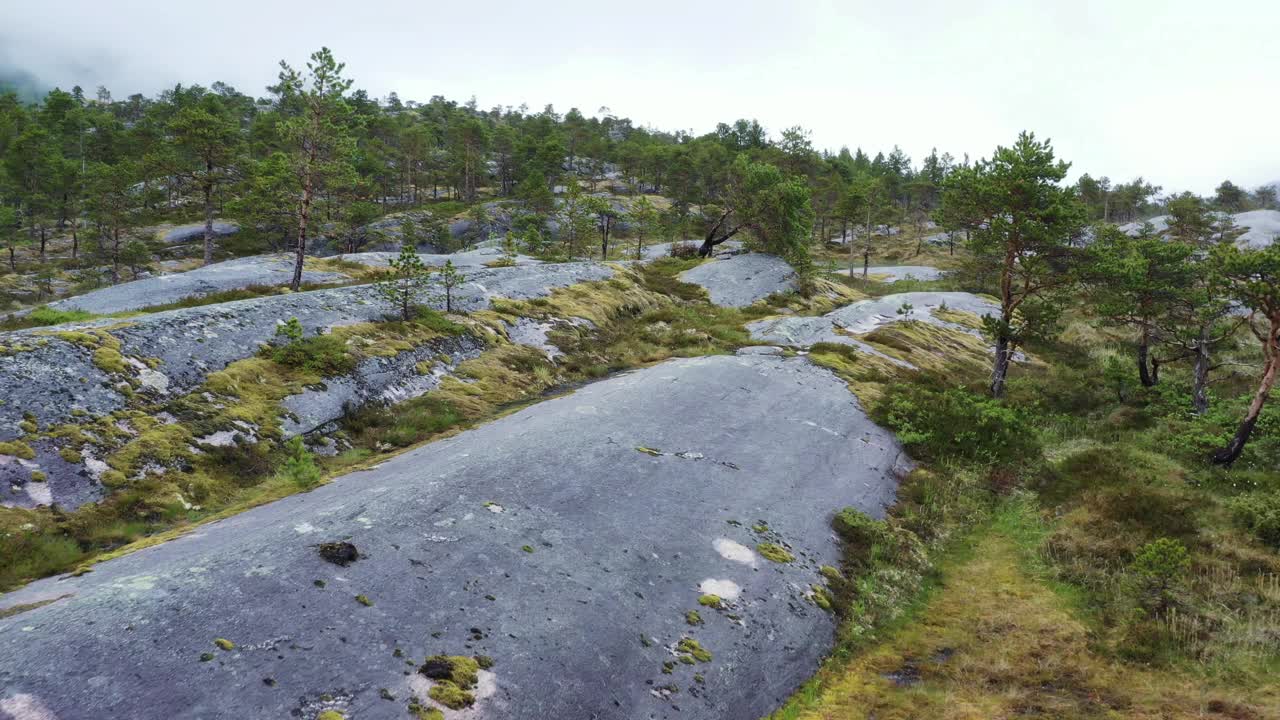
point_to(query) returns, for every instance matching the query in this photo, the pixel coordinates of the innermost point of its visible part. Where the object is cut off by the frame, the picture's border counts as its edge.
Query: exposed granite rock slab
(621, 543)
(382, 380)
(49, 378)
(1261, 227)
(195, 231)
(740, 280)
(476, 258)
(165, 289)
(894, 273)
(864, 316)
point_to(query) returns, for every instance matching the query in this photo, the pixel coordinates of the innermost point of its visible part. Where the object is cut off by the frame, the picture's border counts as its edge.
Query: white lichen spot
(366, 522)
(494, 508)
(26, 707)
(95, 466)
(154, 380)
(727, 589)
(735, 551)
(304, 528)
(447, 522)
(39, 492)
(137, 583)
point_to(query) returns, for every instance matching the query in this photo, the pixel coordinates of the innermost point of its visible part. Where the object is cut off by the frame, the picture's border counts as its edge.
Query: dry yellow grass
(994, 642)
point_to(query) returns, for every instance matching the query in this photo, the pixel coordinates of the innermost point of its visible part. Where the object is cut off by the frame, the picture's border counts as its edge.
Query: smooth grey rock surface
(475, 258)
(623, 542)
(866, 315)
(894, 273)
(195, 231)
(192, 342)
(660, 250)
(740, 280)
(57, 381)
(165, 289)
(1261, 227)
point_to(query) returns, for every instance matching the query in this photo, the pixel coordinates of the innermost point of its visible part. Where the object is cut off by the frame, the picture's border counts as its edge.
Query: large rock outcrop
(76, 374)
(843, 325)
(894, 273)
(740, 280)
(165, 289)
(1261, 227)
(567, 542)
(195, 232)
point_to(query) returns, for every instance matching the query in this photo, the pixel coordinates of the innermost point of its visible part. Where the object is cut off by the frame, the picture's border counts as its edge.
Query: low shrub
(321, 354)
(299, 466)
(431, 319)
(44, 316)
(959, 424)
(410, 422)
(1259, 513)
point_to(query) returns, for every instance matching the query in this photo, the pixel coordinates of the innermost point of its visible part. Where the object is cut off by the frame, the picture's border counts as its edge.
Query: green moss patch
(454, 678)
(775, 553)
(693, 650)
(18, 449)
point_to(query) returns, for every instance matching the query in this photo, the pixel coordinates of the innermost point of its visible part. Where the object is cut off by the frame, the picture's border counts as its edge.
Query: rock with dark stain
(339, 553)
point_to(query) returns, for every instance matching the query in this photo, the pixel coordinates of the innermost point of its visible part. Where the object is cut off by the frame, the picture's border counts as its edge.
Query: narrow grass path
(994, 640)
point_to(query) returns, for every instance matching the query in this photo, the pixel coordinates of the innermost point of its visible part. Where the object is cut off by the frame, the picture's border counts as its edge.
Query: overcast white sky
(1184, 93)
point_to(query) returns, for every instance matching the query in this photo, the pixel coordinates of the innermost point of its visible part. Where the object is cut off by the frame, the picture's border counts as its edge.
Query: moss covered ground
(1067, 552)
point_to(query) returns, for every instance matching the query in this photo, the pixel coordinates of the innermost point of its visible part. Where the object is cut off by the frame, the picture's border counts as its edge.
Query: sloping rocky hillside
(581, 539)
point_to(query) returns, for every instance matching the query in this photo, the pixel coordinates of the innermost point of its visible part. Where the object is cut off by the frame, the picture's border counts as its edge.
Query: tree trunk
(715, 237)
(115, 256)
(75, 238)
(1001, 369)
(1228, 455)
(1145, 375)
(13, 263)
(304, 216)
(852, 255)
(208, 222)
(1200, 376)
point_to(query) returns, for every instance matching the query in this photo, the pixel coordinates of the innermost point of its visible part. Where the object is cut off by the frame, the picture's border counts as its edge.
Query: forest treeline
(315, 156)
(313, 152)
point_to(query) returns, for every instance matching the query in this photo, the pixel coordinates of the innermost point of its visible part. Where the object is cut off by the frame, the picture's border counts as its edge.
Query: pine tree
(450, 279)
(318, 134)
(208, 138)
(407, 285)
(1251, 278)
(1026, 219)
